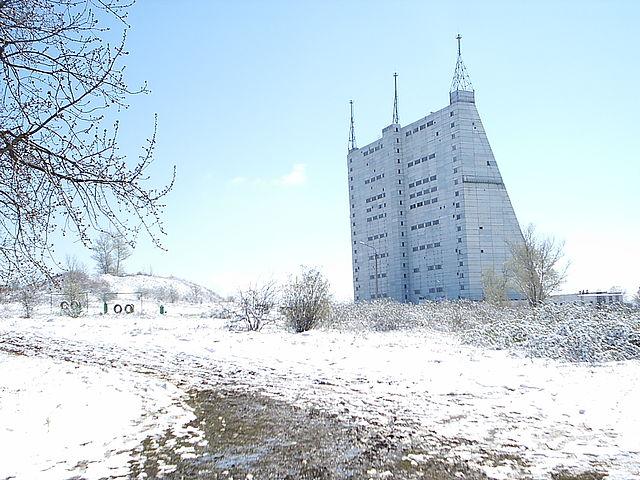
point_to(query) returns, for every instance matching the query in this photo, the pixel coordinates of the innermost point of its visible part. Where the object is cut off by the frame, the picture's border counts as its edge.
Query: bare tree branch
(60, 169)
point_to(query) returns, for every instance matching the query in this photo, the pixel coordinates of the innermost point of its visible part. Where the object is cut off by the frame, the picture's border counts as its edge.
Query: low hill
(167, 287)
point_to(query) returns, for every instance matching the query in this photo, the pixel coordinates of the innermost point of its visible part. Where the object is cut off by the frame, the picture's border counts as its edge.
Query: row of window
(425, 224)
(426, 247)
(372, 149)
(376, 217)
(380, 275)
(376, 236)
(417, 183)
(382, 205)
(423, 192)
(430, 123)
(432, 290)
(415, 130)
(375, 197)
(380, 255)
(423, 203)
(423, 159)
(373, 179)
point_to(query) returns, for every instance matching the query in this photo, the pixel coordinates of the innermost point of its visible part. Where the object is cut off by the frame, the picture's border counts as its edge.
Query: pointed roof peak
(461, 80)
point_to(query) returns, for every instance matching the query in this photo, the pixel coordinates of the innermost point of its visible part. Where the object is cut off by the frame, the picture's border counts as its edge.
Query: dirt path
(251, 436)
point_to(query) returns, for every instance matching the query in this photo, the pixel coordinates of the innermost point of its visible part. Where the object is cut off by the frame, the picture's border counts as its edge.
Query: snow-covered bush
(577, 333)
(29, 296)
(165, 294)
(377, 315)
(220, 310)
(28, 293)
(306, 300)
(255, 304)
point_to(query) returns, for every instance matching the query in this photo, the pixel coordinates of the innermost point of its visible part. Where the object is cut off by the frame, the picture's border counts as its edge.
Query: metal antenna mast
(461, 79)
(352, 131)
(395, 98)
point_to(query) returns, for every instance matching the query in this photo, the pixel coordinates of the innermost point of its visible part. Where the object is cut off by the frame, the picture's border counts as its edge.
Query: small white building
(587, 297)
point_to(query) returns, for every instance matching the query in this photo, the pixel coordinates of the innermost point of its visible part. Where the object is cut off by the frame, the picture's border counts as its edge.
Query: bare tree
(495, 285)
(256, 303)
(28, 296)
(27, 291)
(75, 284)
(121, 251)
(306, 299)
(172, 294)
(535, 266)
(103, 255)
(195, 295)
(60, 169)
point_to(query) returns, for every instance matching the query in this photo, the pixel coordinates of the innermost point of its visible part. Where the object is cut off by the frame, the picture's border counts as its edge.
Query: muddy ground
(251, 436)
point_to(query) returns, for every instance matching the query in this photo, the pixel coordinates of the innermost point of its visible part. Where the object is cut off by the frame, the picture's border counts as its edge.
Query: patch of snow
(59, 419)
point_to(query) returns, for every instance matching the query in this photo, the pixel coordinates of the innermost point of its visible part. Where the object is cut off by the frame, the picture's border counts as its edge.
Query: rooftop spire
(461, 79)
(395, 98)
(352, 131)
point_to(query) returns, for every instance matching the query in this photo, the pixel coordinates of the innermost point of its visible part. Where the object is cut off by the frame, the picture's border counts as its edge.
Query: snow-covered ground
(514, 417)
(59, 419)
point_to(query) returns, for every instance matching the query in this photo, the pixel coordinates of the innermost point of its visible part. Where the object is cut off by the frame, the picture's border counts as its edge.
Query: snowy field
(59, 419)
(83, 392)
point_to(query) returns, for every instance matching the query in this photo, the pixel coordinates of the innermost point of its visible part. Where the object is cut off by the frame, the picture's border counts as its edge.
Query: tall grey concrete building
(429, 211)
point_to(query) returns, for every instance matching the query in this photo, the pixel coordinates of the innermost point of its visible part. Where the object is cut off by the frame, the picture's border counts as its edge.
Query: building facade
(585, 297)
(429, 210)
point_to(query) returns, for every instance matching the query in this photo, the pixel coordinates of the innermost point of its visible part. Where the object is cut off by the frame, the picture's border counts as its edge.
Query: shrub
(306, 300)
(255, 304)
(573, 332)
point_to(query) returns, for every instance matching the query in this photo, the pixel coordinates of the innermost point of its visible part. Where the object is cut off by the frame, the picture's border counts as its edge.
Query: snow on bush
(576, 333)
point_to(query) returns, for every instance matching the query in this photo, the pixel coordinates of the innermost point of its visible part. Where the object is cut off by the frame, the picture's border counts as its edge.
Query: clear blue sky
(252, 100)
